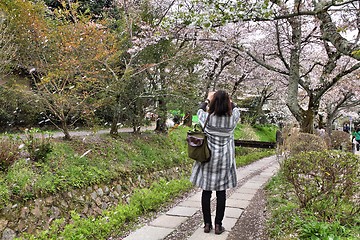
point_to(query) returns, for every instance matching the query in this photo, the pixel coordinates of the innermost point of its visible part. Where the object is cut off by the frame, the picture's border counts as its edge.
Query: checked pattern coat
(220, 172)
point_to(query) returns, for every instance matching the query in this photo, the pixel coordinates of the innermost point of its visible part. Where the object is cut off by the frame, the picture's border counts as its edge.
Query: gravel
(252, 223)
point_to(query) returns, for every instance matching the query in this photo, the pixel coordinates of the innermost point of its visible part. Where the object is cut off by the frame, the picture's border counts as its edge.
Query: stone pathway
(184, 221)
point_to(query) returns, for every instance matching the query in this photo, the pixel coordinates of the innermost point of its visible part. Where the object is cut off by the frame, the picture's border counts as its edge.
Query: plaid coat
(220, 172)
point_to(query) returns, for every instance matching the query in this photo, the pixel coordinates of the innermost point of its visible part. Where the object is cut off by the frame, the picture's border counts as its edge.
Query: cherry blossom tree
(300, 41)
(153, 62)
(342, 102)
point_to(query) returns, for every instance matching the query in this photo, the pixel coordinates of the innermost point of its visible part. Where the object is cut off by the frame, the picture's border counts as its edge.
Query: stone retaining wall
(38, 214)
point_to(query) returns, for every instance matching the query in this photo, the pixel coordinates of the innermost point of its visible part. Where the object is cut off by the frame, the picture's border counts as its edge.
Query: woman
(357, 138)
(219, 173)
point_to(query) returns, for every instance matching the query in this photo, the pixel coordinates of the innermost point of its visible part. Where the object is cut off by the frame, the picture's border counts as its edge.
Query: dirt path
(252, 224)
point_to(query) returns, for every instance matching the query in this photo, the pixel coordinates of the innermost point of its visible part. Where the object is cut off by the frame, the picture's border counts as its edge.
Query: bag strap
(207, 119)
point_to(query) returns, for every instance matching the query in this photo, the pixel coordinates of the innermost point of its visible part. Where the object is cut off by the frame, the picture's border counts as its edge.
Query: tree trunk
(65, 130)
(114, 125)
(161, 120)
(307, 122)
(136, 126)
(329, 126)
(136, 129)
(188, 119)
(294, 71)
(160, 125)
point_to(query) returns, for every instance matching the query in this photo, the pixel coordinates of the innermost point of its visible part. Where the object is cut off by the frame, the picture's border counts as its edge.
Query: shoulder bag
(198, 148)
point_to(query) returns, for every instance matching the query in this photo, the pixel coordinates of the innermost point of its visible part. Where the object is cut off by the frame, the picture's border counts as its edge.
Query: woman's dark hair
(220, 104)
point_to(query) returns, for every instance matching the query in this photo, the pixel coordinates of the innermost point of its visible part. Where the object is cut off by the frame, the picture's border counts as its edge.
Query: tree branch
(329, 33)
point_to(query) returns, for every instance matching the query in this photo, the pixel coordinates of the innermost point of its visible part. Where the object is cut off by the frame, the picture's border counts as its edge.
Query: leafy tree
(173, 80)
(69, 60)
(26, 24)
(7, 47)
(96, 9)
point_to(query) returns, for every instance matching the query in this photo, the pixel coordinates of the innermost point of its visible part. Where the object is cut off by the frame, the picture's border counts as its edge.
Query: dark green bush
(18, 109)
(327, 183)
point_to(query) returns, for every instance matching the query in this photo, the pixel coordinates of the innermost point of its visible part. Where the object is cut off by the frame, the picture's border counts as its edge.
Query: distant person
(346, 128)
(219, 173)
(357, 138)
(321, 132)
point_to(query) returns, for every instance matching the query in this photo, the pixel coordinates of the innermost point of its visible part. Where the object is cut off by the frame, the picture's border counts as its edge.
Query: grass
(68, 166)
(246, 159)
(266, 133)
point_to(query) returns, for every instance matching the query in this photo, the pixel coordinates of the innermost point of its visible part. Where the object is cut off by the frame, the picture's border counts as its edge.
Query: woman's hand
(210, 96)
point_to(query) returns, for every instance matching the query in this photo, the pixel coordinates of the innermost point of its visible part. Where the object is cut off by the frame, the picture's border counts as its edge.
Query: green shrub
(37, 144)
(286, 220)
(326, 183)
(9, 152)
(18, 108)
(303, 142)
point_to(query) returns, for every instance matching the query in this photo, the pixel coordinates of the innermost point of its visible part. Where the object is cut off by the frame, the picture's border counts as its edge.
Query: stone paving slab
(245, 190)
(167, 221)
(235, 203)
(260, 178)
(149, 233)
(189, 203)
(233, 212)
(199, 234)
(267, 174)
(195, 197)
(229, 223)
(242, 196)
(182, 211)
(253, 185)
(242, 173)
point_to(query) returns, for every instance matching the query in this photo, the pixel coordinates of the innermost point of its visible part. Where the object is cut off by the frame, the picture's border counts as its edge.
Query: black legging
(220, 206)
